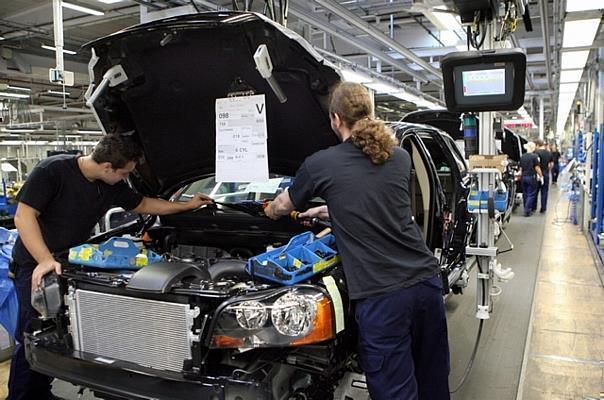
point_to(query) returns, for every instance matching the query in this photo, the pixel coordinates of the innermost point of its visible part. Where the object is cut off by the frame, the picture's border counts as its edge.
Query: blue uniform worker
(392, 276)
(531, 175)
(546, 163)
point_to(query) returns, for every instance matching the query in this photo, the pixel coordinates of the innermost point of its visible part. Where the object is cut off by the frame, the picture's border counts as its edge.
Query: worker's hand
(42, 269)
(269, 211)
(198, 200)
(540, 180)
(320, 212)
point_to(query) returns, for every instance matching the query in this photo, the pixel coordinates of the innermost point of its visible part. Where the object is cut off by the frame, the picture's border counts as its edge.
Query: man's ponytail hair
(353, 104)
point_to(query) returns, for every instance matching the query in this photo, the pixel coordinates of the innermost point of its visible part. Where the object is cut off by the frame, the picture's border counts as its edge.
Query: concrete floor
(551, 349)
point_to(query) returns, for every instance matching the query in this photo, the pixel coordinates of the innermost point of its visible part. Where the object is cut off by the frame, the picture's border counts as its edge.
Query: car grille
(150, 333)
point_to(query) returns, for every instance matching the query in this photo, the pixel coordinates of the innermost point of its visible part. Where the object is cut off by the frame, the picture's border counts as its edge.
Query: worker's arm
(550, 165)
(282, 205)
(321, 212)
(538, 170)
(26, 221)
(153, 206)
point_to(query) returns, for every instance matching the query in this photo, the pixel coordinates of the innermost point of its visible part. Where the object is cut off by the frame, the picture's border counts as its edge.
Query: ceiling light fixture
(580, 33)
(354, 76)
(82, 9)
(89, 132)
(443, 19)
(14, 95)
(572, 75)
(574, 59)
(584, 5)
(110, 1)
(44, 46)
(2, 38)
(58, 93)
(380, 87)
(25, 89)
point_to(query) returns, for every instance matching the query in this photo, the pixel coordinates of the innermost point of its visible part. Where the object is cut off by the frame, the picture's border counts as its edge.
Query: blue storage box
(476, 202)
(304, 256)
(115, 253)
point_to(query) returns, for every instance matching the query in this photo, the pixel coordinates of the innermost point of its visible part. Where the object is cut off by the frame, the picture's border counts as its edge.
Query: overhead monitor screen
(486, 82)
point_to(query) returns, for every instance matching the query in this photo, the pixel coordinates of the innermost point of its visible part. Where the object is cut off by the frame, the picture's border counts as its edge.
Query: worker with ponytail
(392, 277)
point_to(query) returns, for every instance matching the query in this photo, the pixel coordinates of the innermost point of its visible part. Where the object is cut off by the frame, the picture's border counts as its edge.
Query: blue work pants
(403, 345)
(530, 185)
(23, 383)
(544, 190)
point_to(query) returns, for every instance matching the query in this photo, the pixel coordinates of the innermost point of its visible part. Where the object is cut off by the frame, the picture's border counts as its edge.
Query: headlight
(251, 315)
(298, 315)
(293, 315)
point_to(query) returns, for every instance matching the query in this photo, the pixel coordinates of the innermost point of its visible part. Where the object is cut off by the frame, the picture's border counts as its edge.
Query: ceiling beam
(357, 22)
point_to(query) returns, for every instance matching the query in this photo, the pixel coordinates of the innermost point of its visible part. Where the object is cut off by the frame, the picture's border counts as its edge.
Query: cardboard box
(484, 161)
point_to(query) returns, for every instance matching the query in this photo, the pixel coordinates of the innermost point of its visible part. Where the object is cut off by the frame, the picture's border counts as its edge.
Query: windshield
(235, 192)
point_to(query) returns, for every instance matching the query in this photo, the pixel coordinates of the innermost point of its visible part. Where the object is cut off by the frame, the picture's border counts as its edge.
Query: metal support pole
(485, 232)
(57, 17)
(541, 119)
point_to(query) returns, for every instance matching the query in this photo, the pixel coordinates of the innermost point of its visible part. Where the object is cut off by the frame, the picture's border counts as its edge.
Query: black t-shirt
(545, 158)
(369, 205)
(528, 162)
(69, 204)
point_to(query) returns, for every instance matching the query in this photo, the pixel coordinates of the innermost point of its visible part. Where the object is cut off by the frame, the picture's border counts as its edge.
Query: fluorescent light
(110, 1)
(583, 5)
(580, 33)
(55, 49)
(448, 38)
(354, 76)
(16, 130)
(58, 93)
(380, 87)
(444, 20)
(572, 75)
(569, 88)
(14, 95)
(89, 132)
(2, 38)
(11, 142)
(574, 59)
(25, 89)
(81, 9)
(406, 96)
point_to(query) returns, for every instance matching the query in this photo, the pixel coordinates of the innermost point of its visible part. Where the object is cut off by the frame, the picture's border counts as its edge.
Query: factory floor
(545, 337)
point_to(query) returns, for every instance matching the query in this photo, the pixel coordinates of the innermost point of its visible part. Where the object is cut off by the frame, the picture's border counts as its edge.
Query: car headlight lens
(251, 315)
(293, 315)
(298, 315)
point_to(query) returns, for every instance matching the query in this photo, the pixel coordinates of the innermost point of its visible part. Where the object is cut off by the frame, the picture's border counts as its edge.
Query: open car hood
(176, 68)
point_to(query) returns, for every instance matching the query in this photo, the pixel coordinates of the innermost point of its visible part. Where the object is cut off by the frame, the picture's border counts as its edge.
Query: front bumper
(127, 380)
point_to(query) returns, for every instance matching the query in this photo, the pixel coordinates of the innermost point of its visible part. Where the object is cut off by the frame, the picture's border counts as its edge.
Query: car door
(426, 194)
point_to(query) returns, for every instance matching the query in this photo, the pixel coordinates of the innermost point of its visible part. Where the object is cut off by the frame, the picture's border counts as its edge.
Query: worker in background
(58, 206)
(546, 163)
(392, 277)
(556, 166)
(531, 178)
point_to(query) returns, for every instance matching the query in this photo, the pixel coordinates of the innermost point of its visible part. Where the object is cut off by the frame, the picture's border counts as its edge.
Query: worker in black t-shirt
(546, 163)
(58, 206)
(531, 178)
(556, 167)
(392, 277)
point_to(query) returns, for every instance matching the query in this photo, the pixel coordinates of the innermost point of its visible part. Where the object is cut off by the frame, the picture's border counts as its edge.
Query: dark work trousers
(23, 383)
(529, 193)
(544, 190)
(403, 345)
(555, 172)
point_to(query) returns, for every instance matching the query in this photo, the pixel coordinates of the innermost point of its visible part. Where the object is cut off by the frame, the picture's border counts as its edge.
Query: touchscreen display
(484, 82)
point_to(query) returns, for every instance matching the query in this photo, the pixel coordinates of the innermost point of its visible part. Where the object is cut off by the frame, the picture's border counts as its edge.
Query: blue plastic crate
(476, 202)
(302, 257)
(115, 253)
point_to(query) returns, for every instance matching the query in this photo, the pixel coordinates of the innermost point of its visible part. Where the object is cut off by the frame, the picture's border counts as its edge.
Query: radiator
(150, 333)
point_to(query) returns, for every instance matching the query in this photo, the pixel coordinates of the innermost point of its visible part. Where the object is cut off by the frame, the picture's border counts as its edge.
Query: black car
(197, 325)
(510, 144)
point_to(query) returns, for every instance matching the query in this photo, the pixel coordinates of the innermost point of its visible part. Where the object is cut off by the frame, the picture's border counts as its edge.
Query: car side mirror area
(47, 299)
